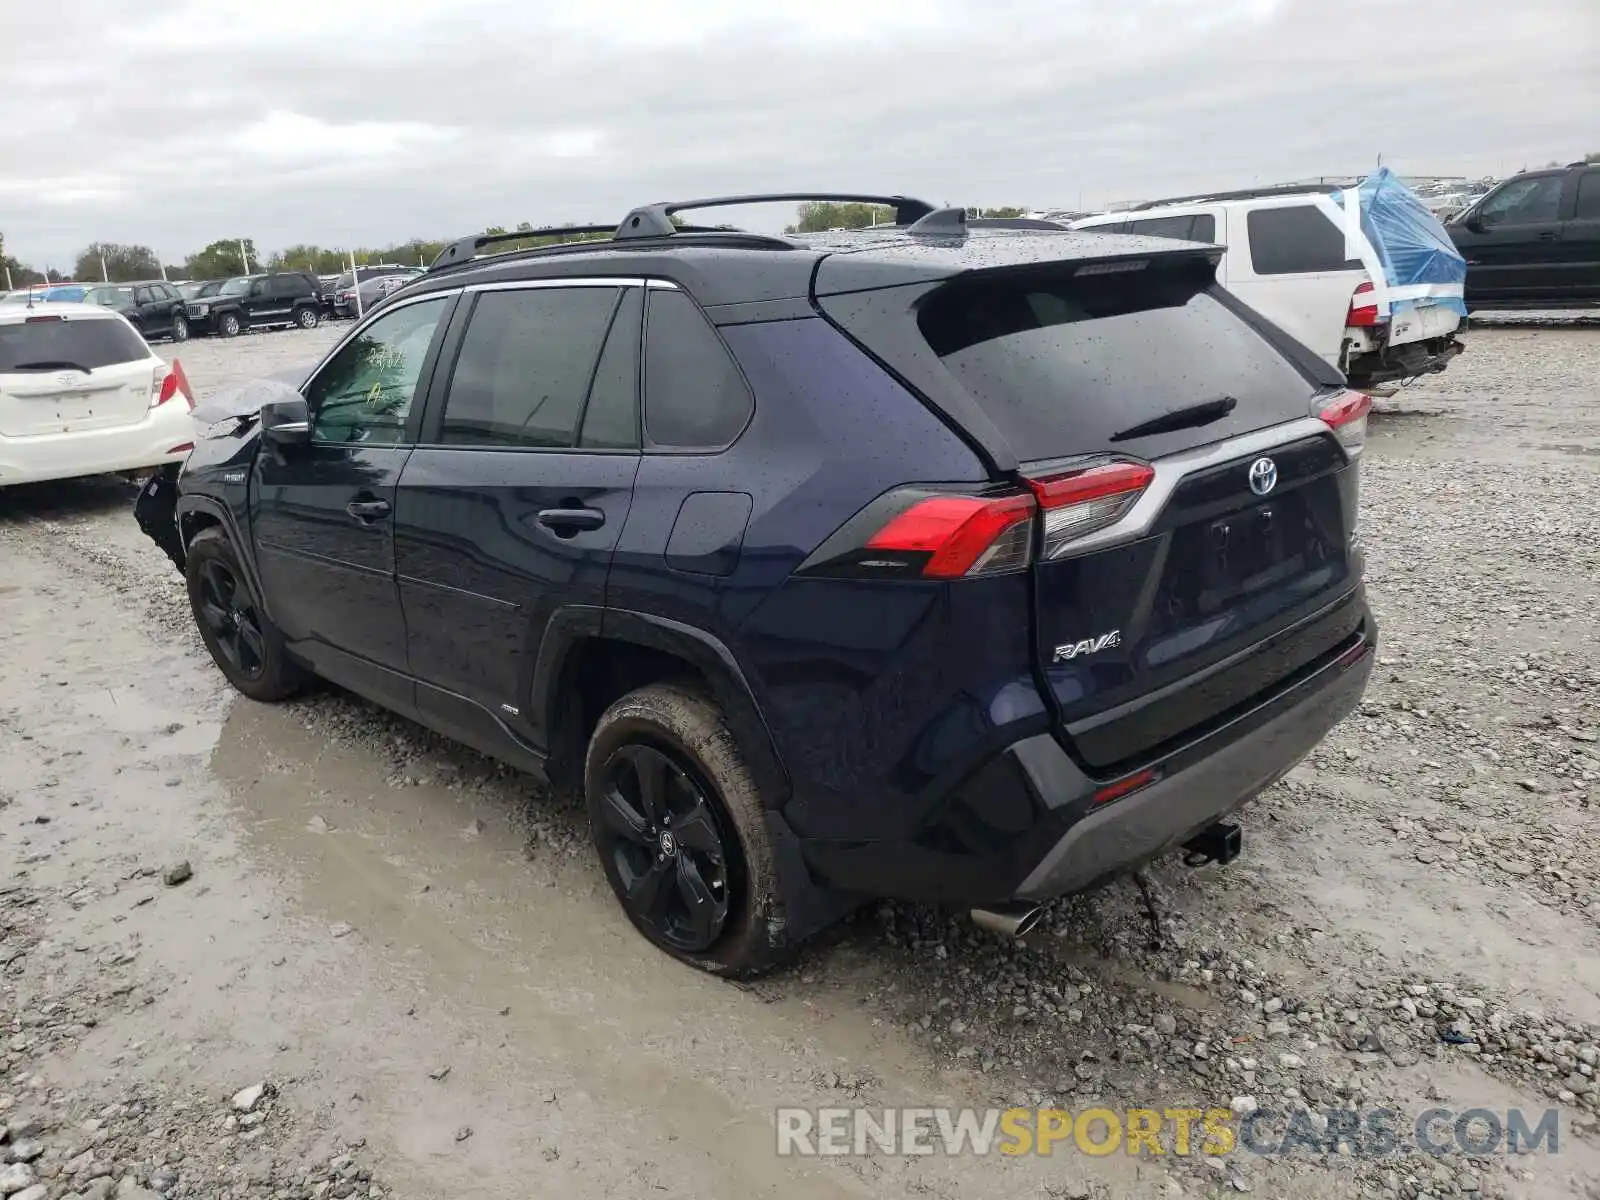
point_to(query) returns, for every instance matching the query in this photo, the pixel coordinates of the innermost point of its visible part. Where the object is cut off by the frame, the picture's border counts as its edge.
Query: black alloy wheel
(662, 834)
(230, 614)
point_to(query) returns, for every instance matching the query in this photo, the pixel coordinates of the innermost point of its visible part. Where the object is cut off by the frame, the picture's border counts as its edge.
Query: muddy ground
(414, 954)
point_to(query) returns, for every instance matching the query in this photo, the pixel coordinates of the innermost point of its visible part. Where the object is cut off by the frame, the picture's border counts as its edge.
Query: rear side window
(694, 397)
(611, 417)
(1295, 241)
(1064, 366)
(1167, 227)
(42, 344)
(1588, 197)
(525, 366)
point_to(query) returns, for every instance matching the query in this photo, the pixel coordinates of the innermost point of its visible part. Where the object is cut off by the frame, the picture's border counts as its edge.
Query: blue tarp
(1421, 265)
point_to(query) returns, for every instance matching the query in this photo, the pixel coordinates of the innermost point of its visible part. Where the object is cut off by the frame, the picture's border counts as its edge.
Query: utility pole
(244, 254)
(105, 276)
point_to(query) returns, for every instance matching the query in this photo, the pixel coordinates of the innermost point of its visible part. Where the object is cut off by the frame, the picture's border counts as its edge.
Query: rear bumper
(1405, 361)
(150, 443)
(1026, 825)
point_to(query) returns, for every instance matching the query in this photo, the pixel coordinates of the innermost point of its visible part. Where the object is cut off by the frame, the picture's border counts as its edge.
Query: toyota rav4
(964, 564)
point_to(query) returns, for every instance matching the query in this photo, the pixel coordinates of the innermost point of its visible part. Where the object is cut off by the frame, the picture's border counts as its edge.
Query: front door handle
(368, 510)
(1549, 235)
(567, 521)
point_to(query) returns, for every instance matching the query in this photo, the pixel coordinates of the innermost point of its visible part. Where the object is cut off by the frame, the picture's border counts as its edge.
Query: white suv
(82, 394)
(1286, 258)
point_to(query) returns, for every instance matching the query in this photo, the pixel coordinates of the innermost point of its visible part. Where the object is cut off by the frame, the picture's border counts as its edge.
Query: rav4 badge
(1070, 650)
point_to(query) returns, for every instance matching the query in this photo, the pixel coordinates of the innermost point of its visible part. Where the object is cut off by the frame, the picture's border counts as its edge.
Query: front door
(513, 503)
(1512, 242)
(322, 514)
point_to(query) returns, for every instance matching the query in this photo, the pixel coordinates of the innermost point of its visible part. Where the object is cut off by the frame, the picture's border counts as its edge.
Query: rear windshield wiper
(51, 364)
(1195, 415)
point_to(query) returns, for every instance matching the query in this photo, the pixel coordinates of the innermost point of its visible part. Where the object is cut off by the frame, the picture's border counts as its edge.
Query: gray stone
(246, 1099)
(15, 1178)
(178, 872)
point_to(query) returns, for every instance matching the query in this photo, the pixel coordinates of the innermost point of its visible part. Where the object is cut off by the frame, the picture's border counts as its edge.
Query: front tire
(228, 325)
(681, 831)
(307, 318)
(245, 645)
(180, 329)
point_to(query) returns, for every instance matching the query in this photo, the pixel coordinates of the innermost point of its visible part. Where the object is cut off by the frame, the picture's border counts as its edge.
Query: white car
(81, 393)
(1286, 258)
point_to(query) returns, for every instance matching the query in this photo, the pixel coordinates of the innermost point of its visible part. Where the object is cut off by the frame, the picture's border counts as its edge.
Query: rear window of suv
(1062, 365)
(42, 344)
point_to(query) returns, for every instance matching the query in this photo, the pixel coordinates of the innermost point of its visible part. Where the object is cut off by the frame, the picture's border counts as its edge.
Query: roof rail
(1016, 223)
(1244, 194)
(655, 220)
(465, 249)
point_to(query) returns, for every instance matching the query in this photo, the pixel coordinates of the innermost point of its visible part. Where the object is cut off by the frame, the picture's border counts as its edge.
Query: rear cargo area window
(64, 345)
(1295, 241)
(1063, 365)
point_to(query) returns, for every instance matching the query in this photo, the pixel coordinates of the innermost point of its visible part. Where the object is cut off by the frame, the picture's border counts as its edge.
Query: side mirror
(286, 422)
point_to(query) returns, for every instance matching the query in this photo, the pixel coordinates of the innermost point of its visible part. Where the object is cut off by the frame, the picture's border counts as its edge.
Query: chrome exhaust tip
(1011, 920)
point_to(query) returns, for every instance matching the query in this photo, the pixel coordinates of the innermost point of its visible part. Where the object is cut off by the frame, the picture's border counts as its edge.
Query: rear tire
(307, 318)
(228, 325)
(245, 645)
(695, 872)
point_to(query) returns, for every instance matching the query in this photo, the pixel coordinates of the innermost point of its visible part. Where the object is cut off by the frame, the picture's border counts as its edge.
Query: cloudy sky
(175, 122)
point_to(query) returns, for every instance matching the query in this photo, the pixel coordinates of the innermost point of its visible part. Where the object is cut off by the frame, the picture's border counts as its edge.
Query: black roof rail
(466, 249)
(1583, 162)
(1290, 189)
(655, 220)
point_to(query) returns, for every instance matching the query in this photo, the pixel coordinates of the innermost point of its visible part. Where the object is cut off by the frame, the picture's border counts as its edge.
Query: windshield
(57, 344)
(236, 287)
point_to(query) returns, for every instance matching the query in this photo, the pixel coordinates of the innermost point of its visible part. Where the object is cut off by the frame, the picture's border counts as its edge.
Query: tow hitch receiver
(1219, 843)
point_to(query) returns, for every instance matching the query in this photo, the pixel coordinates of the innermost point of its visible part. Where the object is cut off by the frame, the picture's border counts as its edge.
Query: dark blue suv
(942, 561)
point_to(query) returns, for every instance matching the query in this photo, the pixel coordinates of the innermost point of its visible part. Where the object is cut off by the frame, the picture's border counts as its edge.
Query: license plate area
(1212, 564)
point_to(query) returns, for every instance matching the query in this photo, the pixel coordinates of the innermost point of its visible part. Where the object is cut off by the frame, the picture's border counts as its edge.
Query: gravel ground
(410, 953)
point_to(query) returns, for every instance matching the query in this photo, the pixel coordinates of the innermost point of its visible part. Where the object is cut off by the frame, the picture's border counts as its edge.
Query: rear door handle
(567, 521)
(1549, 235)
(368, 510)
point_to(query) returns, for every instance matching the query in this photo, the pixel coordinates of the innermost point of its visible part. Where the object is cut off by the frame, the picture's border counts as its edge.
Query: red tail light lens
(167, 382)
(961, 535)
(1078, 503)
(1346, 414)
(1362, 315)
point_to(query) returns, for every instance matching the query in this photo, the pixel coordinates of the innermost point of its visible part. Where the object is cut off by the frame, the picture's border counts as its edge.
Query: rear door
(69, 374)
(322, 514)
(1288, 262)
(1512, 241)
(1234, 569)
(513, 504)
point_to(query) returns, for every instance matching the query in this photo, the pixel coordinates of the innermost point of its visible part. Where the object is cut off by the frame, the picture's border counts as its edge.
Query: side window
(694, 397)
(1205, 228)
(1588, 196)
(142, 295)
(525, 365)
(1295, 240)
(611, 416)
(1524, 202)
(258, 287)
(1163, 227)
(364, 393)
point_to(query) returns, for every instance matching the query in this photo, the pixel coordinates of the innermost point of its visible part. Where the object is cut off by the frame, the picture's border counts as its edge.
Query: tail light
(1081, 502)
(1346, 414)
(1363, 315)
(165, 383)
(923, 534)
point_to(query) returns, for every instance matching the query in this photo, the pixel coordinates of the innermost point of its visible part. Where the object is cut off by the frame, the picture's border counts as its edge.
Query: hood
(221, 411)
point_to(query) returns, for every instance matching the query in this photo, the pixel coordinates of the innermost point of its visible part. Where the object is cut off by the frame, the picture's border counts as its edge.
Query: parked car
(154, 307)
(327, 286)
(344, 298)
(1286, 258)
(201, 288)
(256, 302)
(65, 293)
(1098, 589)
(82, 393)
(1534, 241)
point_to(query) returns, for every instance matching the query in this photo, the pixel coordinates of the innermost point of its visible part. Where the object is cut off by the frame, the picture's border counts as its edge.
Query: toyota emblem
(1263, 476)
